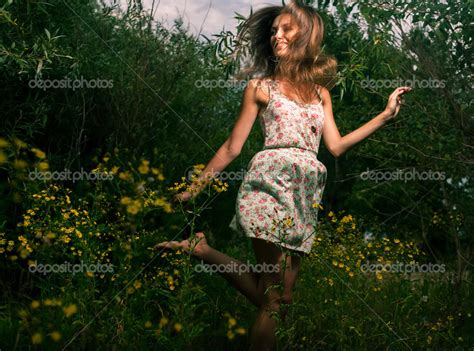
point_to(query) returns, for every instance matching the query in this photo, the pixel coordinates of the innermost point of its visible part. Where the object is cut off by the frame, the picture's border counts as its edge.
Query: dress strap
(319, 93)
(267, 86)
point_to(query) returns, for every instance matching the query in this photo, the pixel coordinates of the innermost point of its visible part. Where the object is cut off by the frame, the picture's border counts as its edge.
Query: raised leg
(245, 282)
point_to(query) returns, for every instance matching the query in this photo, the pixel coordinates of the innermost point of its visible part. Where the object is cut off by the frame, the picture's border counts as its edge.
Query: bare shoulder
(325, 95)
(259, 89)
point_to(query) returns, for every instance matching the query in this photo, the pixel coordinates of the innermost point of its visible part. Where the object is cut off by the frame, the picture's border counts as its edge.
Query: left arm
(338, 145)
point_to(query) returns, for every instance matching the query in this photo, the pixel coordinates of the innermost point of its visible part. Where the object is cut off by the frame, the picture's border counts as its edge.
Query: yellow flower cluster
(232, 328)
(197, 182)
(340, 243)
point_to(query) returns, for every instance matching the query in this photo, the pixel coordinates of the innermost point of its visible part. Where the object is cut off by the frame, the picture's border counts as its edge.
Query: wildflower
(40, 154)
(43, 166)
(70, 310)
(163, 321)
(148, 324)
(20, 164)
(4, 143)
(178, 327)
(137, 284)
(125, 200)
(133, 208)
(144, 168)
(3, 157)
(232, 322)
(55, 335)
(35, 304)
(125, 176)
(19, 143)
(240, 331)
(37, 338)
(230, 334)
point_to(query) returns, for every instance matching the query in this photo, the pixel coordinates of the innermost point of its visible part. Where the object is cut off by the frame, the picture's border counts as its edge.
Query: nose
(278, 34)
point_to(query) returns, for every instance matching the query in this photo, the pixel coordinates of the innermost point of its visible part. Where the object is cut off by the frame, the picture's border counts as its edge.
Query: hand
(395, 101)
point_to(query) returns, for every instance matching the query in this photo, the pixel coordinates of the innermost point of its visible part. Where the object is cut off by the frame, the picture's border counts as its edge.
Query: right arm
(233, 145)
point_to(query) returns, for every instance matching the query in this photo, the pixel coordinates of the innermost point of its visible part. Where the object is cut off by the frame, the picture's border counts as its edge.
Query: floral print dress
(279, 196)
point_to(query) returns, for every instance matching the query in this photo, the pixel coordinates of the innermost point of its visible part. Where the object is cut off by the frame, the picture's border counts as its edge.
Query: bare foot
(197, 246)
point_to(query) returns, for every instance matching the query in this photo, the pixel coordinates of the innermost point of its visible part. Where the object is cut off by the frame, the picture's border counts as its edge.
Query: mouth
(280, 45)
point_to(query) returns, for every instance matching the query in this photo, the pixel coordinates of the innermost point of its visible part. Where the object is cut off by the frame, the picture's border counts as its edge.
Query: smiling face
(284, 29)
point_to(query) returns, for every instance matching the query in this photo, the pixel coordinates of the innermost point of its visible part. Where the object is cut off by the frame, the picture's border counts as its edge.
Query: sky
(220, 13)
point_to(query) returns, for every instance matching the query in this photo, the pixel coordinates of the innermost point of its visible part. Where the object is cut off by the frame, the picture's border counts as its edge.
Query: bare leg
(245, 282)
(263, 331)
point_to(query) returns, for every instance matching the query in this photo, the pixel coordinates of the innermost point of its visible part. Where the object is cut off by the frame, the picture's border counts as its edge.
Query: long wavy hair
(305, 62)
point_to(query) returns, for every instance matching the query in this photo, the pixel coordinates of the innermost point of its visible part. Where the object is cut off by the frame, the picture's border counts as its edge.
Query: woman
(278, 199)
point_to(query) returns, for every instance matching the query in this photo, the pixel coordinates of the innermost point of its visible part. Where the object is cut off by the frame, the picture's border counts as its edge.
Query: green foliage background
(155, 111)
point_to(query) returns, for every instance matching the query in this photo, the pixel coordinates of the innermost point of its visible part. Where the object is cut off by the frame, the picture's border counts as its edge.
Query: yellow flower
(125, 176)
(134, 207)
(79, 234)
(144, 168)
(55, 335)
(4, 143)
(20, 164)
(37, 338)
(35, 304)
(240, 331)
(40, 154)
(3, 157)
(230, 334)
(148, 324)
(23, 313)
(19, 143)
(178, 327)
(232, 322)
(163, 322)
(70, 310)
(43, 166)
(126, 200)
(137, 284)
(130, 290)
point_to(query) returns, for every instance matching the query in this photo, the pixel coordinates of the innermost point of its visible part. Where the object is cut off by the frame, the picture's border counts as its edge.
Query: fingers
(400, 91)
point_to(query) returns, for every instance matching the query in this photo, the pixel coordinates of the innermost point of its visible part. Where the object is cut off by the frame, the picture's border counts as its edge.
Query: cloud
(221, 13)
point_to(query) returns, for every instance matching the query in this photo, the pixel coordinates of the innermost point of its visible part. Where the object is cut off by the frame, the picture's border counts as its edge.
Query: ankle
(202, 251)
